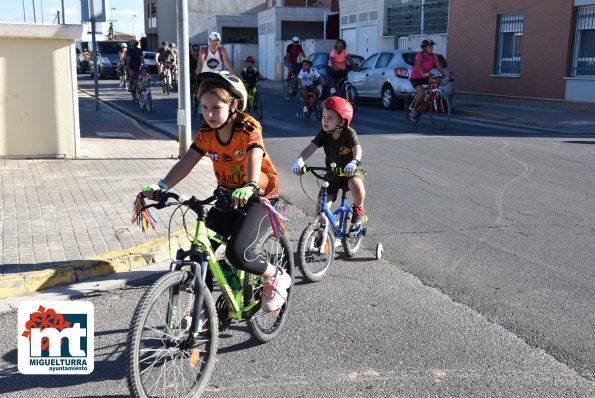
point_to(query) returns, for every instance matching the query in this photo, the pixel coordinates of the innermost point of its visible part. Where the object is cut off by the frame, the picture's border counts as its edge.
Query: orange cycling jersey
(230, 161)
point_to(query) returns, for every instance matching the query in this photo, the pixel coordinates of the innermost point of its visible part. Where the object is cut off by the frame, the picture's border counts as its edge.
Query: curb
(147, 253)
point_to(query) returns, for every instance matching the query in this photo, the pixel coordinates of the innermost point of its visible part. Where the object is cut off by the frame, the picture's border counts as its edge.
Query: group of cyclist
(245, 172)
(309, 79)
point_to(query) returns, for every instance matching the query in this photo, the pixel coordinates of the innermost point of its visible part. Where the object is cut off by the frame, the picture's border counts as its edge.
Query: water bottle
(230, 275)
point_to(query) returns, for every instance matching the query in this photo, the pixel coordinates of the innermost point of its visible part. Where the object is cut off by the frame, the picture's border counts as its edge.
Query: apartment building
(532, 49)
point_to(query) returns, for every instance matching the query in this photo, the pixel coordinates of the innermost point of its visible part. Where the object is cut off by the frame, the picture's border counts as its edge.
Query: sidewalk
(64, 221)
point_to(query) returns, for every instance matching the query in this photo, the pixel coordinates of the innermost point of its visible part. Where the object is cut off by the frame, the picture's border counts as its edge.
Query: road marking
(577, 122)
(111, 134)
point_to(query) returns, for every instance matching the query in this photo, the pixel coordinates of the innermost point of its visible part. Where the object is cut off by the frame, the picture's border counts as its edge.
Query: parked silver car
(385, 76)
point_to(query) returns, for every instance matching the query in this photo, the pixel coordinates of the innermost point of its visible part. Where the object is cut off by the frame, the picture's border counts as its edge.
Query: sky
(12, 11)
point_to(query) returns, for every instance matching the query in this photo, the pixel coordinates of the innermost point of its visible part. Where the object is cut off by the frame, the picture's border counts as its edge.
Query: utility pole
(63, 15)
(184, 122)
(34, 16)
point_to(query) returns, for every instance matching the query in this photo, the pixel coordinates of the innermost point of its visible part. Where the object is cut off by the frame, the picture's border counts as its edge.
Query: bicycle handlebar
(334, 170)
(192, 202)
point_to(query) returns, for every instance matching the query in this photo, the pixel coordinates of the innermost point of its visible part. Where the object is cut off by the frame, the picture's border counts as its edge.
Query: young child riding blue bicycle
(342, 147)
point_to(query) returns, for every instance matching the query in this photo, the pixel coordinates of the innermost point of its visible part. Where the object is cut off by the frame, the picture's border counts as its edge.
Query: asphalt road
(485, 288)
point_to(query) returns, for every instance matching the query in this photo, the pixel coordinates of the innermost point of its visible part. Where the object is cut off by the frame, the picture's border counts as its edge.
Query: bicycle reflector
(402, 73)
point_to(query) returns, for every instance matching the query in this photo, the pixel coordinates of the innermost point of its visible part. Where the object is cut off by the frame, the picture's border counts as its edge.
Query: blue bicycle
(316, 247)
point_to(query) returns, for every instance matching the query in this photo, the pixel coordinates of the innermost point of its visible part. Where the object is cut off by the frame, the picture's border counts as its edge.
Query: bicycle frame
(201, 246)
(337, 218)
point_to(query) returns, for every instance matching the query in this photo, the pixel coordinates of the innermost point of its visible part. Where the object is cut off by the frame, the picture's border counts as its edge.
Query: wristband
(357, 162)
(161, 184)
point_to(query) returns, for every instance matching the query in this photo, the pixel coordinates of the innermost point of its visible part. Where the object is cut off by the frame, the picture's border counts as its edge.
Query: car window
(384, 60)
(109, 47)
(357, 59)
(370, 62)
(147, 55)
(442, 61)
(409, 58)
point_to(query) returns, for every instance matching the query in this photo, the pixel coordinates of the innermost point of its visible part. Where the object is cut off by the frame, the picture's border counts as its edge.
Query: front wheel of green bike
(440, 111)
(265, 326)
(313, 260)
(351, 245)
(162, 359)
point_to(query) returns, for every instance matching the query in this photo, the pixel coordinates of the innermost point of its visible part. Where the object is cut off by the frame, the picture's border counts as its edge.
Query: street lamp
(111, 25)
(133, 34)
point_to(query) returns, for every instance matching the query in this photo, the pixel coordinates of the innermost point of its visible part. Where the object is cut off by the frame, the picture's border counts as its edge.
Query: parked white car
(385, 76)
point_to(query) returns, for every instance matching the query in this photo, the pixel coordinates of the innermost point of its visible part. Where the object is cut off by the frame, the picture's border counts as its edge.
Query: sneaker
(333, 91)
(358, 215)
(413, 114)
(275, 291)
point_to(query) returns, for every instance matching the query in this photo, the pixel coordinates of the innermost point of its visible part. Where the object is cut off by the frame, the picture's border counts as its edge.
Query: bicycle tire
(258, 106)
(440, 111)
(167, 82)
(168, 334)
(409, 103)
(149, 102)
(278, 253)
(287, 90)
(350, 245)
(318, 110)
(350, 94)
(309, 255)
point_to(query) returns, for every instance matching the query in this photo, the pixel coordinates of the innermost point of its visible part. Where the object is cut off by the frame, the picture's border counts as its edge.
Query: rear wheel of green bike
(351, 245)
(159, 359)
(265, 326)
(440, 111)
(313, 262)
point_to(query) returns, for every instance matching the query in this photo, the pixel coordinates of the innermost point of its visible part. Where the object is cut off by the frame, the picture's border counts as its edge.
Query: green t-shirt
(337, 151)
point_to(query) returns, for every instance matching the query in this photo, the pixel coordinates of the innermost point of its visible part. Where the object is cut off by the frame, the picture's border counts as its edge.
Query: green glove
(149, 187)
(244, 193)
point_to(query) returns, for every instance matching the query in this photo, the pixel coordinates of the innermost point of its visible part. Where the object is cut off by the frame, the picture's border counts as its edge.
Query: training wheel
(379, 250)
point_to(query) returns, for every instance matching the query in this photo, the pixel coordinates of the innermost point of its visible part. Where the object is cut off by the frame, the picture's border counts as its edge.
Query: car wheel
(389, 99)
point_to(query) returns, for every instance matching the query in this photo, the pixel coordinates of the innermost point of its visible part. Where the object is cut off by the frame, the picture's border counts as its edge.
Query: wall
(546, 47)
(38, 105)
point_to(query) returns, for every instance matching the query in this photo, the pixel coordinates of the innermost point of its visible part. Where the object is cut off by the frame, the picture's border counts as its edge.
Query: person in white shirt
(309, 81)
(214, 58)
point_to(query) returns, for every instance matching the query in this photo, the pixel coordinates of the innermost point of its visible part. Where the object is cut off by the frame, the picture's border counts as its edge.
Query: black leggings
(243, 231)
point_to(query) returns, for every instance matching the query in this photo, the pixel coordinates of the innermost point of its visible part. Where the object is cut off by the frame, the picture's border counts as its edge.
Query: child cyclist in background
(144, 78)
(243, 169)
(250, 75)
(341, 146)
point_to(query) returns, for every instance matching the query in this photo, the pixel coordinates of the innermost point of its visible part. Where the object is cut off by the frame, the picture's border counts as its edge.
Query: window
(152, 12)
(583, 63)
(510, 33)
(370, 62)
(384, 60)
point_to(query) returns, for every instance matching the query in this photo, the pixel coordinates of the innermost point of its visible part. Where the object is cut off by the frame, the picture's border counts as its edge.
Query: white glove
(298, 165)
(351, 167)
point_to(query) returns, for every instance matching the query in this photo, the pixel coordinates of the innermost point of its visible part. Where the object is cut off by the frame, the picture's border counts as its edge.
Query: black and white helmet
(228, 81)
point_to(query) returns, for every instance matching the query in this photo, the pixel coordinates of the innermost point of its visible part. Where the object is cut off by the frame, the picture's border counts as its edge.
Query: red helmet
(341, 106)
(249, 58)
